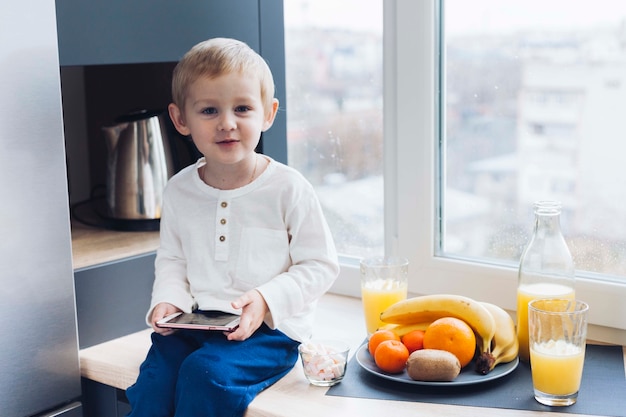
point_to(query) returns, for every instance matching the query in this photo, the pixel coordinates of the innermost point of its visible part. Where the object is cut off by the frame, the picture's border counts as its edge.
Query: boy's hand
(253, 309)
(162, 310)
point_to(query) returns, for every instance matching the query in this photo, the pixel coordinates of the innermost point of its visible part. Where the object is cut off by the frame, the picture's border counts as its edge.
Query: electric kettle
(139, 165)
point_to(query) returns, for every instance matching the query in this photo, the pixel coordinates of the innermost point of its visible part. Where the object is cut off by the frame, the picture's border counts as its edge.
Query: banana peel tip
(485, 363)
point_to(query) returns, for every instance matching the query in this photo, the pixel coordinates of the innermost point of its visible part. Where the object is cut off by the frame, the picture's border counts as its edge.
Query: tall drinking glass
(383, 283)
(557, 335)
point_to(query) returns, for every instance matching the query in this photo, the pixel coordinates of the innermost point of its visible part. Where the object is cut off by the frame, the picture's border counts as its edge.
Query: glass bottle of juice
(546, 268)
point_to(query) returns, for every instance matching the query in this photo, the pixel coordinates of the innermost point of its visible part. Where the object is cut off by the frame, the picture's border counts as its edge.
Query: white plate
(467, 377)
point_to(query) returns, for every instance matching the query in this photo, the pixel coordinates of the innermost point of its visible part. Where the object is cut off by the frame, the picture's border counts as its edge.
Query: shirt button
(222, 238)
(223, 221)
(224, 204)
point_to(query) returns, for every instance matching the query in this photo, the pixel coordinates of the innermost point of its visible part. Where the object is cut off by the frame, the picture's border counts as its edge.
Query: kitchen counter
(92, 246)
(116, 363)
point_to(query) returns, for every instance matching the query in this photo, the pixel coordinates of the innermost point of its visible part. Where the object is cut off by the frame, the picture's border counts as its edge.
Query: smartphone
(201, 320)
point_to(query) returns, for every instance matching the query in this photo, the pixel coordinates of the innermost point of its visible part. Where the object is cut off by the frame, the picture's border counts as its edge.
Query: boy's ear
(178, 119)
(269, 118)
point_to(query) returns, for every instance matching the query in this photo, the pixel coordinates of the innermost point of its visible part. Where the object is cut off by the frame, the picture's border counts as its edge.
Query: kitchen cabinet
(138, 35)
(113, 275)
(116, 56)
(104, 401)
(112, 299)
(105, 32)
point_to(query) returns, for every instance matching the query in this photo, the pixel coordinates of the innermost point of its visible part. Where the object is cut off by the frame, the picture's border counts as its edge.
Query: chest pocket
(263, 254)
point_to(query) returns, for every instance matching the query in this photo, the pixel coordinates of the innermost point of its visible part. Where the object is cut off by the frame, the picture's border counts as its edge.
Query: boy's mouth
(227, 141)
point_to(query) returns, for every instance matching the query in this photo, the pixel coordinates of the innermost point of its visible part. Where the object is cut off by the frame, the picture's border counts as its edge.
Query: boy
(240, 233)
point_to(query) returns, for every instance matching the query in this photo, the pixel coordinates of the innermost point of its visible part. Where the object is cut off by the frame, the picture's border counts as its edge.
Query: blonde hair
(219, 56)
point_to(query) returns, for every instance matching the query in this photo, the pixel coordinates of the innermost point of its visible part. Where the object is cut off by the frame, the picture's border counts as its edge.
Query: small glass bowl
(324, 361)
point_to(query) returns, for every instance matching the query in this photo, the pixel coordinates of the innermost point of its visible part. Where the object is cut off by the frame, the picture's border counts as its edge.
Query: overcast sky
(357, 14)
(464, 15)
(508, 15)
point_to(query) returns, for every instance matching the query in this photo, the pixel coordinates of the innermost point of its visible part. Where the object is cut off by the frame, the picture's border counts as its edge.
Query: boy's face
(224, 116)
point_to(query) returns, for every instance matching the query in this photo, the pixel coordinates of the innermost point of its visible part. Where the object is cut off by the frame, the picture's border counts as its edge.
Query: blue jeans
(194, 373)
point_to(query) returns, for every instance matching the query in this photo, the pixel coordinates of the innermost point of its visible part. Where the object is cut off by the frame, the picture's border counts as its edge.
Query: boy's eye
(209, 110)
(242, 109)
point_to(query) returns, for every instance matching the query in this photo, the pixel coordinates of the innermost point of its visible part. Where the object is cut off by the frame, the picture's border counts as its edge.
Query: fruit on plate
(414, 340)
(378, 337)
(504, 346)
(494, 331)
(433, 365)
(391, 356)
(452, 335)
(402, 329)
(432, 307)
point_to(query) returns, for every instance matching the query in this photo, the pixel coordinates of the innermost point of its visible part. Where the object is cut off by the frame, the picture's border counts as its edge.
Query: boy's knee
(205, 368)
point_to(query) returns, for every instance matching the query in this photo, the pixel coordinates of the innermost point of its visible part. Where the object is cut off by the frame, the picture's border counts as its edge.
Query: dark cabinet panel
(112, 299)
(272, 48)
(126, 32)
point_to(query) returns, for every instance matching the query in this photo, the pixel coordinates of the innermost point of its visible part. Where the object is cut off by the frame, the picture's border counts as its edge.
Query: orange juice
(557, 367)
(377, 296)
(527, 293)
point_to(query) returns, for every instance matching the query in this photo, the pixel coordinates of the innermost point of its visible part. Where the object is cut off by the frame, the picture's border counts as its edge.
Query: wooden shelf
(92, 246)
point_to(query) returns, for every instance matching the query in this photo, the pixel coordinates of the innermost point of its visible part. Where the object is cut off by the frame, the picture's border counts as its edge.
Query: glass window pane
(534, 99)
(334, 118)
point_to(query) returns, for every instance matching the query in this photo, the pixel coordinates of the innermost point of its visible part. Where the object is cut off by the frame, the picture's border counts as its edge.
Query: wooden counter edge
(92, 246)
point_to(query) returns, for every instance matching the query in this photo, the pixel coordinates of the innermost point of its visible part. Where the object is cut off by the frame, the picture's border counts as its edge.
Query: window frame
(411, 131)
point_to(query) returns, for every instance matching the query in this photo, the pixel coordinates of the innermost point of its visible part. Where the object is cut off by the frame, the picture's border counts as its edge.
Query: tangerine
(414, 340)
(453, 335)
(391, 356)
(380, 336)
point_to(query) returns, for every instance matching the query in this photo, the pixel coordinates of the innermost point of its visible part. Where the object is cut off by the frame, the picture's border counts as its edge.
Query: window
(469, 130)
(335, 125)
(506, 68)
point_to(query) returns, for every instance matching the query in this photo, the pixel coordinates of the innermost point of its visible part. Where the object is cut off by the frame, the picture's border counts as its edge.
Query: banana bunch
(496, 337)
(402, 329)
(504, 345)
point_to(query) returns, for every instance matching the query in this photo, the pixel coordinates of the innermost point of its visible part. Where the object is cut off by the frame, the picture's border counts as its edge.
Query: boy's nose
(227, 122)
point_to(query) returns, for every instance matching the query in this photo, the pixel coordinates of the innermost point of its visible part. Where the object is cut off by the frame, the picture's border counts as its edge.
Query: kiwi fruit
(433, 365)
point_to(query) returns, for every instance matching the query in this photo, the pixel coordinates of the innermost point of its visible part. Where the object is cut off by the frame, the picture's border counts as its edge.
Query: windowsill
(340, 317)
(116, 364)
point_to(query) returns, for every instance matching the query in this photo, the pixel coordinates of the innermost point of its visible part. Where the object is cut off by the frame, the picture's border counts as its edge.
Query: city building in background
(531, 108)
(536, 113)
(335, 125)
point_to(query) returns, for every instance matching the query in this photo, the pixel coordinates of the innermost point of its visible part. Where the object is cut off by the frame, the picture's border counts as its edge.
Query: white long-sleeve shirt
(270, 235)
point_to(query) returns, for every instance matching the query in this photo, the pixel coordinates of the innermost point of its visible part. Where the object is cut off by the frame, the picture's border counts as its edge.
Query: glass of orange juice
(383, 283)
(557, 330)
(525, 294)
